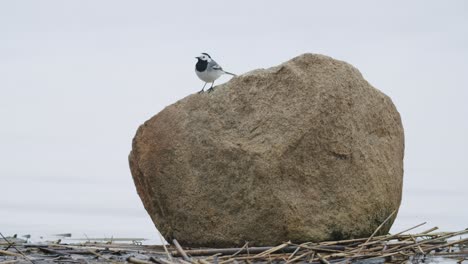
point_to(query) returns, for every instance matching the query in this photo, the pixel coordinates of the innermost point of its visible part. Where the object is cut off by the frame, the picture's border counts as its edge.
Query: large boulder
(304, 151)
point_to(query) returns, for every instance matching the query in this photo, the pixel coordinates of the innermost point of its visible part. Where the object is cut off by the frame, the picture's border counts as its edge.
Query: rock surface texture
(304, 151)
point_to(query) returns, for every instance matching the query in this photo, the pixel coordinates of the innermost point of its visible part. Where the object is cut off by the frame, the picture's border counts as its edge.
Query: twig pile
(395, 247)
(389, 248)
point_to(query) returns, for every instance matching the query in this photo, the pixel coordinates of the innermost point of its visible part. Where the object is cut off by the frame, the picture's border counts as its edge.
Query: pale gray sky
(78, 77)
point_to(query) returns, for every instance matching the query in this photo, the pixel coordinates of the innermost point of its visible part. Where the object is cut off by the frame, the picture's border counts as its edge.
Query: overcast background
(78, 77)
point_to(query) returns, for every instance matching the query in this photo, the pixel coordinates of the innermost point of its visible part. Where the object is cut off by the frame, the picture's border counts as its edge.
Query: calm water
(83, 208)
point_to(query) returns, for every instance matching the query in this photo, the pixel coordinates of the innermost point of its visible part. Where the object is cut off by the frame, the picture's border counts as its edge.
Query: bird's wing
(215, 66)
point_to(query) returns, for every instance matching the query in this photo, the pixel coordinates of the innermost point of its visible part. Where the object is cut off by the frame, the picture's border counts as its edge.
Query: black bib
(201, 65)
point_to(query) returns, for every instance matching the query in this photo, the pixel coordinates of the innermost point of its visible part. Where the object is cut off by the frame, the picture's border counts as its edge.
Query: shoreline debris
(389, 248)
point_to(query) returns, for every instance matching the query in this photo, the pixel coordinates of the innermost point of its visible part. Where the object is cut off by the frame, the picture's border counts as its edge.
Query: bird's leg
(202, 88)
(211, 88)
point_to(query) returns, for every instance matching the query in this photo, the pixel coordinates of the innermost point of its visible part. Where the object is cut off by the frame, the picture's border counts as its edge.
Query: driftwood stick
(202, 261)
(311, 257)
(66, 251)
(322, 259)
(381, 238)
(399, 233)
(430, 230)
(272, 256)
(99, 255)
(138, 261)
(419, 246)
(85, 249)
(357, 240)
(180, 250)
(183, 261)
(245, 246)
(446, 245)
(294, 253)
(383, 255)
(161, 260)
(155, 260)
(256, 250)
(300, 257)
(385, 238)
(169, 256)
(377, 240)
(9, 261)
(271, 250)
(377, 229)
(427, 241)
(51, 251)
(407, 243)
(329, 249)
(216, 256)
(9, 253)
(347, 241)
(19, 251)
(388, 246)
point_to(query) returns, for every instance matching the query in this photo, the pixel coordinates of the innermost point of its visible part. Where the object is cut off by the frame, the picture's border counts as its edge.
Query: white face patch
(204, 57)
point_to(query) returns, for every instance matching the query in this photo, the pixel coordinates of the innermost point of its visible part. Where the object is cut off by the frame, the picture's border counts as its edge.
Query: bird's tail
(230, 73)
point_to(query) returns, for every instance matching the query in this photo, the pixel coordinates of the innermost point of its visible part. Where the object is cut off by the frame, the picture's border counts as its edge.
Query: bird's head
(204, 57)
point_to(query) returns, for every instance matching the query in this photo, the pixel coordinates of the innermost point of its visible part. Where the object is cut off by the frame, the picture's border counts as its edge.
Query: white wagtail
(208, 70)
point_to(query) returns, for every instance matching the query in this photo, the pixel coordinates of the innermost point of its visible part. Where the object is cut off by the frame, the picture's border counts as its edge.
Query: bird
(208, 70)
